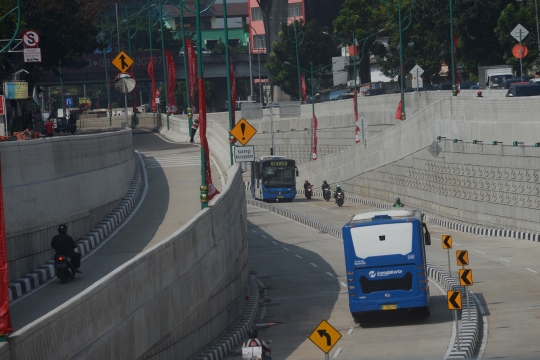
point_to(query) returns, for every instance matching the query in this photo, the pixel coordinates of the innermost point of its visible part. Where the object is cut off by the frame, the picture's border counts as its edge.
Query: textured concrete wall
(489, 185)
(75, 180)
(171, 302)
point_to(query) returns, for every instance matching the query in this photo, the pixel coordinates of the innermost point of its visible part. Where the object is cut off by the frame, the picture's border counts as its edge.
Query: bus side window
(427, 235)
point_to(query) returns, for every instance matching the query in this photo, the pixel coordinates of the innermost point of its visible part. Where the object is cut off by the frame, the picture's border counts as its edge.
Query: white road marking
(313, 264)
(336, 354)
(457, 244)
(504, 260)
(298, 256)
(531, 270)
(350, 330)
(263, 236)
(344, 285)
(325, 208)
(330, 273)
(286, 248)
(481, 252)
(253, 230)
(152, 163)
(273, 242)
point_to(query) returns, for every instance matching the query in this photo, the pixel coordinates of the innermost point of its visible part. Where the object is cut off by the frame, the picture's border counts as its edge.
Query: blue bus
(385, 259)
(273, 178)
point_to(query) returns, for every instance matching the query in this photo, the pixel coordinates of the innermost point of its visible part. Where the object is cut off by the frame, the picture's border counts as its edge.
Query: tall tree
(315, 47)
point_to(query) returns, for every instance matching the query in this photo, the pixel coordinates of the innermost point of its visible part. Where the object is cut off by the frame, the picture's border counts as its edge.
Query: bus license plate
(280, 197)
(389, 307)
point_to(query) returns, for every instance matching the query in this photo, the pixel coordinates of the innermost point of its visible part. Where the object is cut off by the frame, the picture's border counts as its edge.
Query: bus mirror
(427, 238)
(297, 173)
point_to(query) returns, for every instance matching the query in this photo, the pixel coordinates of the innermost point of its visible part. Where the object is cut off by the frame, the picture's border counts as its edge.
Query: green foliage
(313, 46)
(180, 96)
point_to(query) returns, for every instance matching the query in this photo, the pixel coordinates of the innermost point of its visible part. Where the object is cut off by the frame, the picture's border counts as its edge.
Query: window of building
(295, 9)
(256, 14)
(259, 42)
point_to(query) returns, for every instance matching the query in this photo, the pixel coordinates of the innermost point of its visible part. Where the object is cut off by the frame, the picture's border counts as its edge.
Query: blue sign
(69, 102)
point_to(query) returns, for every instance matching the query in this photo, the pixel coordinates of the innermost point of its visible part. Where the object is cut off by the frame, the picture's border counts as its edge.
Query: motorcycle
(309, 192)
(340, 199)
(63, 268)
(256, 352)
(327, 194)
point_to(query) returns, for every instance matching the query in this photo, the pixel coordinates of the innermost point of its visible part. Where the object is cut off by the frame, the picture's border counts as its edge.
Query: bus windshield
(278, 173)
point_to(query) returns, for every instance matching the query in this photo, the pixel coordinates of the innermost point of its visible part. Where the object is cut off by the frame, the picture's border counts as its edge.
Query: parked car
(445, 86)
(474, 87)
(466, 85)
(345, 96)
(509, 82)
(374, 92)
(431, 88)
(518, 90)
(534, 80)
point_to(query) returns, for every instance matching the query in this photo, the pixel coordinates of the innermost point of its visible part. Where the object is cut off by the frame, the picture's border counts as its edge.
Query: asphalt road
(303, 274)
(506, 276)
(173, 184)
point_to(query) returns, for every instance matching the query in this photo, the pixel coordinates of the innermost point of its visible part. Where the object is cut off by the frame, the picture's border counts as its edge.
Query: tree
(509, 18)
(315, 47)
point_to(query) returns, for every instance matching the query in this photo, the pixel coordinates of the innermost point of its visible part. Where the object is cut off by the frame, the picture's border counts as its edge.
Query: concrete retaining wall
(487, 185)
(173, 301)
(75, 180)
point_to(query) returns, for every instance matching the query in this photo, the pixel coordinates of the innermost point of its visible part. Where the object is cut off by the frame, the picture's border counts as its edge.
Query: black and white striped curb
(240, 332)
(45, 273)
(469, 327)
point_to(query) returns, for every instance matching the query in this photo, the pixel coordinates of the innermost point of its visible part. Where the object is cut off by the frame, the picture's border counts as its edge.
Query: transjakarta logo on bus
(373, 274)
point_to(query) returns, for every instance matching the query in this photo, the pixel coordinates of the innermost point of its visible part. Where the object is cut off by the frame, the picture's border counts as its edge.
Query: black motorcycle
(309, 192)
(340, 199)
(63, 268)
(327, 194)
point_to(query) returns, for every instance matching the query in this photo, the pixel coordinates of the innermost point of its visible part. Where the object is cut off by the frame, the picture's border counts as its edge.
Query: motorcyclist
(325, 186)
(398, 203)
(307, 185)
(64, 245)
(253, 341)
(338, 189)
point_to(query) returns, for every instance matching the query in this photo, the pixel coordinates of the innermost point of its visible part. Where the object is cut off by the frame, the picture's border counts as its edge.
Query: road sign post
(122, 61)
(447, 244)
(454, 303)
(243, 131)
(519, 33)
(416, 72)
(325, 336)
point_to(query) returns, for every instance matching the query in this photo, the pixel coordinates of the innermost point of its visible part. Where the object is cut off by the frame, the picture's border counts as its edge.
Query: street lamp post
(259, 63)
(164, 63)
(250, 71)
(403, 116)
(454, 89)
(109, 110)
(228, 72)
(188, 101)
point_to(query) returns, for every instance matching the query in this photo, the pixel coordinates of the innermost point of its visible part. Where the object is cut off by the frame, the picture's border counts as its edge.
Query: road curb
(469, 328)
(100, 232)
(240, 332)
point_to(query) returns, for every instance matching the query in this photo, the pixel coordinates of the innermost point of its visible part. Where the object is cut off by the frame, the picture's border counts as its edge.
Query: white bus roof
(391, 213)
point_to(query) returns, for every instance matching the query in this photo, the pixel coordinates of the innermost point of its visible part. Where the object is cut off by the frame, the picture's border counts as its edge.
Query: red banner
(212, 191)
(151, 74)
(355, 104)
(303, 85)
(455, 61)
(398, 112)
(314, 126)
(171, 81)
(5, 318)
(233, 93)
(192, 69)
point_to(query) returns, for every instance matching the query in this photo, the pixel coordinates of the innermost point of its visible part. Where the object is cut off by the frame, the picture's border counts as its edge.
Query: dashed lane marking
(351, 329)
(298, 256)
(336, 354)
(531, 270)
(273, 242)
(504, 260)
(263, 236)
(343, 284)
(313, 264)
(329, 273)
(481, 252)
(286, 248)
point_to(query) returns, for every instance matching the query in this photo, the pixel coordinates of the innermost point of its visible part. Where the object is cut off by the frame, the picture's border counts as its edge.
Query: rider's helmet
(338, 187)
(253, 334)
(306, 181)
(479, 93)
(62, 229)
(324, 182)
(398, 200)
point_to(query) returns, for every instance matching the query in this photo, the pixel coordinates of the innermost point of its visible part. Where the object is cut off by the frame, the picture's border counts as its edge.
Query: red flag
(315, 124)
(133, 97)
(151, 74)
(192, 69)
(5, 318)
(233, 93)
(455, 61)
(303, 85)
(355, 100)
(212, 191)
(171, 80)
(399, 111)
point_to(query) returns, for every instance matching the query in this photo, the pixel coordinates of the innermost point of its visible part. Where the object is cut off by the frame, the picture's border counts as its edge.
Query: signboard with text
(16, 89)
(244, 153)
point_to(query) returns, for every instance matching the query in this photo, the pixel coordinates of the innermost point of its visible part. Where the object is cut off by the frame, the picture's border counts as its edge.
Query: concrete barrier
(175, 300)
(75, 180)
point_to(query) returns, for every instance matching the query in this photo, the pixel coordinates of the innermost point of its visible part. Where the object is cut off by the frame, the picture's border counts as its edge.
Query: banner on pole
(315, 124)
(151, 74)
(192, 69)
(212, 191)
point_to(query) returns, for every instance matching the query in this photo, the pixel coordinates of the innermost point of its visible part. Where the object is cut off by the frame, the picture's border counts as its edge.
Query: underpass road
(303, 271)
(506, 276)
(173, 182)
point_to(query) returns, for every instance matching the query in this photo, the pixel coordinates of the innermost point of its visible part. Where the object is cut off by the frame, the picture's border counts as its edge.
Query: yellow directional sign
(447, 241)
(465, 277)
(454, 300)
(462, 257)
(325, 336)
(122, 61)
(243, 131)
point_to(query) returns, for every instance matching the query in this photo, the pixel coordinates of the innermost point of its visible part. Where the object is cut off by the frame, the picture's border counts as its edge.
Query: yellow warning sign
(447, 241)
(462, 257)
(454, 300)
(122, 61)
(325, 336)
(465, 277)
(243, 131)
